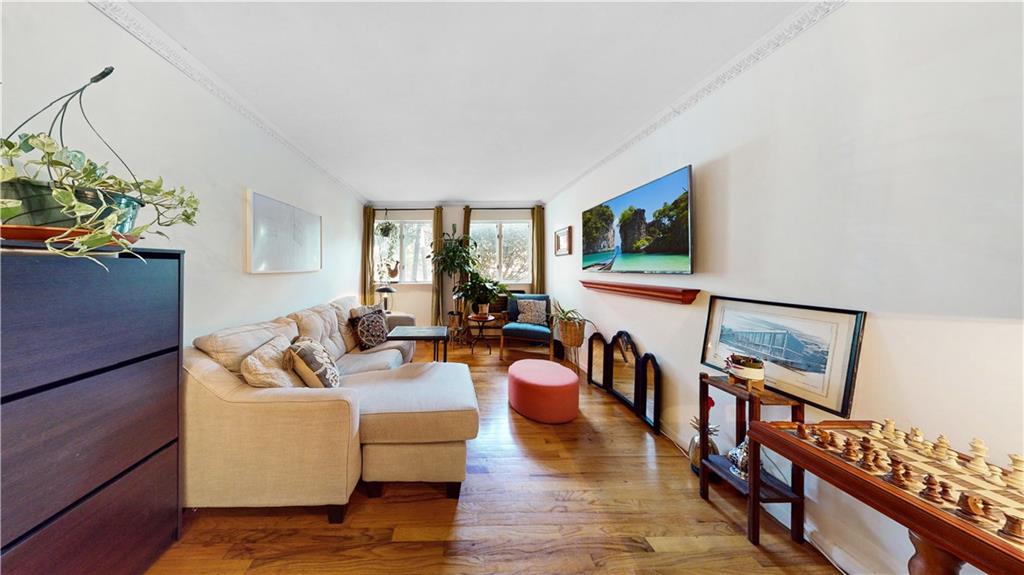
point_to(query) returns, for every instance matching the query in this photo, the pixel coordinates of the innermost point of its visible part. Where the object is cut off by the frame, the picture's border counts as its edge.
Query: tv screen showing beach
(645, 230)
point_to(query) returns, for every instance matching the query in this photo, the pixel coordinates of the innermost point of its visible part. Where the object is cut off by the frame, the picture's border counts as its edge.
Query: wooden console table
(758, 488)
(943, 540)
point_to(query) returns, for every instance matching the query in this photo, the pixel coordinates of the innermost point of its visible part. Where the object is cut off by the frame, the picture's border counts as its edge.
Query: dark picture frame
(595, 340)
(563, 241)
(817, 347)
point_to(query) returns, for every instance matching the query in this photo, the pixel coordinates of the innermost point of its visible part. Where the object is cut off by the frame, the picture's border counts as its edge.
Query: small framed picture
(810, 354)
(563, 241)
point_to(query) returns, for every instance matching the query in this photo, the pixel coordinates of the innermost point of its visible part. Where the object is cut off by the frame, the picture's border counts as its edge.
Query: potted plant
(479, 290)
(571, 325)
(386, 228)
(95, 208)
(455, 256)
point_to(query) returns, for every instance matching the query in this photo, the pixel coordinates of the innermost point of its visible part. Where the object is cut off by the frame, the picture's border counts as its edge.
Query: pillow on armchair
(533, 311)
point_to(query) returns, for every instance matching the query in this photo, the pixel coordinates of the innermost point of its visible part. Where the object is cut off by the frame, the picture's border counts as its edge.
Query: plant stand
(759, 487)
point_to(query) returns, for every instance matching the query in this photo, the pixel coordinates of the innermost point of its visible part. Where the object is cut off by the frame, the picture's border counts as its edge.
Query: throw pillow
(372, 330)
(358, 312)
(313, 363)
(265, 367)
(533, 311)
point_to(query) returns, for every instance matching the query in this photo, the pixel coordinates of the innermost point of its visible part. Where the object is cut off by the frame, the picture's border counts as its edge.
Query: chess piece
(889, 430)
(941, 448)
(927, 449)
(915, 438)
(895, 476)
(899, 439)
(801, 431)
(877, 461)
(952, 460)
(995, 476)
(849, 450)
(833, 440)
(821, 440)
(931, 491)
(969, 506)
(876, 430)
(867, 461)
(987, 511)
(866, 444)
(946, 491)
(1016, 476)
(1013, 528)
(908, 475)
(978, 452)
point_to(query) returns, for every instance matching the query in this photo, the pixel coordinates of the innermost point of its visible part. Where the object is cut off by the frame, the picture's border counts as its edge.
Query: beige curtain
(367, 275)
(537, 215)
(436, 304)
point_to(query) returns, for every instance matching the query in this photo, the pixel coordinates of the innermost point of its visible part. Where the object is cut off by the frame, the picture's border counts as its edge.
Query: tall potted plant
(89, 207)
(454, 257)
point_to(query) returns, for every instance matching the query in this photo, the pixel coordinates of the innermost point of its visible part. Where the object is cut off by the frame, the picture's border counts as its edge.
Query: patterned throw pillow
(266, 365)
(372, 330)
(533, 311)
(314, 365)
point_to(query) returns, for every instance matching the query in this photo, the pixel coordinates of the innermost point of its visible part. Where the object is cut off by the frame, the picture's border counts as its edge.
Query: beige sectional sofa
(391, 420)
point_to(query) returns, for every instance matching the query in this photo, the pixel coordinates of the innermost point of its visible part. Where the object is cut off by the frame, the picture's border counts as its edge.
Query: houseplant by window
(88, 207)
(479, 290)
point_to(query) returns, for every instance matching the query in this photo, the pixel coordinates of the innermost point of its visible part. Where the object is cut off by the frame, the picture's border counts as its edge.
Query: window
(505, 250)
(402, 255)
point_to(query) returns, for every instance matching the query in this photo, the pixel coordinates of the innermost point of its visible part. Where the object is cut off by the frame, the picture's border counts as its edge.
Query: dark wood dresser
(90, 362)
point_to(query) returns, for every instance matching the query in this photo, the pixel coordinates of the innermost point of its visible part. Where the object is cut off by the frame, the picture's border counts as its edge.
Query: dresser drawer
(60, 444)
(62, 318)
(121, 529)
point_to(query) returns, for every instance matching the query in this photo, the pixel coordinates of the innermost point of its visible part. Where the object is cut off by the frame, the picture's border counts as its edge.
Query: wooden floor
(598, 495)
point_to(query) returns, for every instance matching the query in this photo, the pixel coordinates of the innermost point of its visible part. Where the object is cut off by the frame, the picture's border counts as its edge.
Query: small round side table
(481, 321)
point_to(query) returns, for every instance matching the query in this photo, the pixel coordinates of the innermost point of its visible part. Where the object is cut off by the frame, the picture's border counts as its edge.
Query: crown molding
(134, 22)
(766, 46)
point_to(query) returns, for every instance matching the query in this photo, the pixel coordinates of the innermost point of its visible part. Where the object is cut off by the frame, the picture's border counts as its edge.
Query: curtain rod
(426, 209)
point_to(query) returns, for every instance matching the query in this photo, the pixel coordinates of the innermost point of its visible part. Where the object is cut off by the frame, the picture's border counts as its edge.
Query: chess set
(968, 487)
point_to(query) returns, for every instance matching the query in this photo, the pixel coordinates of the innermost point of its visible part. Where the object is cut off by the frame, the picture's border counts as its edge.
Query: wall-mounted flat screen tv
(645, 230)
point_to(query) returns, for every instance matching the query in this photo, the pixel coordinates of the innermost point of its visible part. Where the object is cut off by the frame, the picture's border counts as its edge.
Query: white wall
(873, 163)
(163, 123)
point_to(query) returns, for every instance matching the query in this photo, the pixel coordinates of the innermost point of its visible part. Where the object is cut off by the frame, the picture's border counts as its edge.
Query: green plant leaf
(81, 209)
(9, 208)
(7, 173)
(44, 143)
(64, 196)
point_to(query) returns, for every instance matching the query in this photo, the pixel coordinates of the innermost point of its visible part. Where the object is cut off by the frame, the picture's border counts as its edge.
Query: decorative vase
(738, 457)
(483, 308)
(694, 451)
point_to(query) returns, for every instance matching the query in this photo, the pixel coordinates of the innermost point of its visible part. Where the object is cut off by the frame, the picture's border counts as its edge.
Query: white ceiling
(462, 102)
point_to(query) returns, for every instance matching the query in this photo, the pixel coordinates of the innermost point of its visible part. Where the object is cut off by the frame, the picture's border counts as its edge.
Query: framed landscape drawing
(563, 241)
(810, 353)
(280, 237)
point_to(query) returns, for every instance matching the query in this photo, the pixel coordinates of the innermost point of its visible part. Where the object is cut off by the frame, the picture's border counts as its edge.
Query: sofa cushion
(514, 299)
(229, 347)
(320, 324)
(532, 311)
(353, 363)
(343, 307)
(526, 331)
(311, 360)
(416, 403)
(265, 367)
(373, 330)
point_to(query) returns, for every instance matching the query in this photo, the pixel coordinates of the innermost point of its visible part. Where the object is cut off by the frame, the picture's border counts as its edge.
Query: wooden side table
(481, 321)
(759, 487)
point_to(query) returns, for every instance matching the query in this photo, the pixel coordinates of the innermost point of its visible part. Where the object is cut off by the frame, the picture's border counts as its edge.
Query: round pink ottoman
(543, 391)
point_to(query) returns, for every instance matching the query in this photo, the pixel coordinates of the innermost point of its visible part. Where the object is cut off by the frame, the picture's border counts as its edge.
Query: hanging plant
(386, 228)
(96, 208)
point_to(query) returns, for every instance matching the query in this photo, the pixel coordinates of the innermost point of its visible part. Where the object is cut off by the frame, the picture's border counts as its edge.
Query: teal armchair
(527, 331)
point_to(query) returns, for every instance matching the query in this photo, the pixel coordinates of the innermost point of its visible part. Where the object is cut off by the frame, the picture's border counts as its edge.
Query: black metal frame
(855, 345)
(639, 404)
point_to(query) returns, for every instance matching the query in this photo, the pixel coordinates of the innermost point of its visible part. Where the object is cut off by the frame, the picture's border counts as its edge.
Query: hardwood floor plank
(598, 495)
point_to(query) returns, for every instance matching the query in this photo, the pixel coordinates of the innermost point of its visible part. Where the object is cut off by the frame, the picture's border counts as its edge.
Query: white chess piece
(952, 460)
(899, 438)
(941, 448)
(1016, 476)
(978, 450)
(876, 430)
(995, 476)
(889, 431)
(927, 449)
(915, 437)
